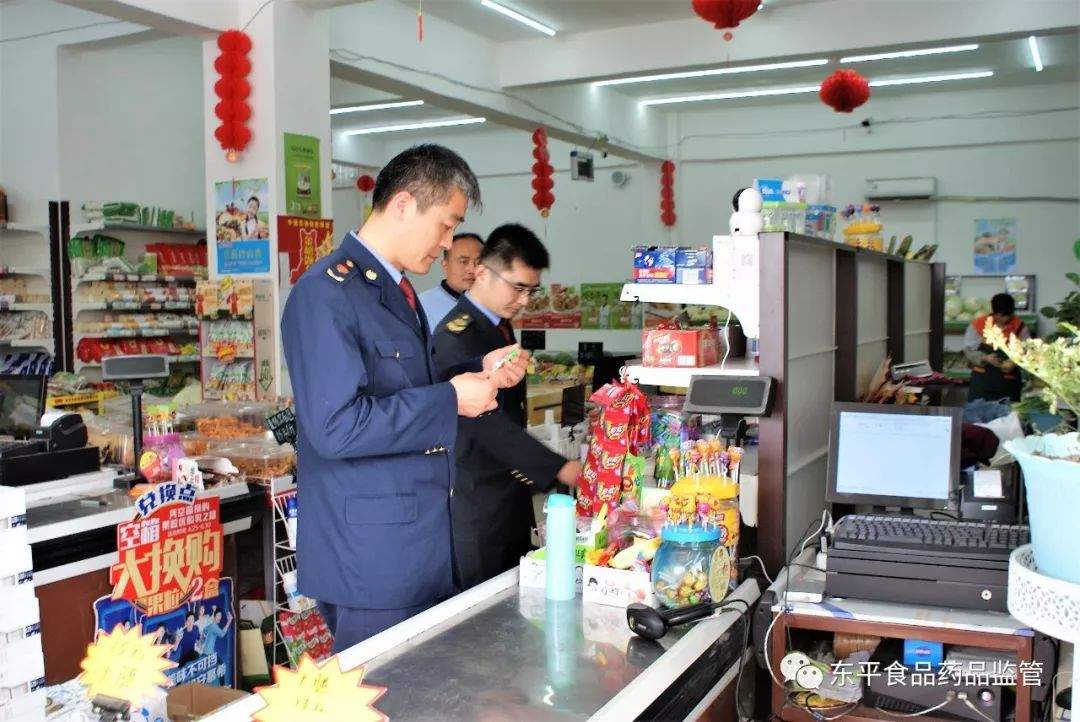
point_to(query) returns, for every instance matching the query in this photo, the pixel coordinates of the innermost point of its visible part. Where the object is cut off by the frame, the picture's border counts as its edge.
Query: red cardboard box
(680, 348)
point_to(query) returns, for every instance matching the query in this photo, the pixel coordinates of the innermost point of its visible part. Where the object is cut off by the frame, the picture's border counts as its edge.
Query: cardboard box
(691, 266)
(691, 348)
(616, 587)
(188, 702)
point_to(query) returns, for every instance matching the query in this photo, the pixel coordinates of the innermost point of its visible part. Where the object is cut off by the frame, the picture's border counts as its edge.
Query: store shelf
(1031, 320)
(700, 295)
(45, 343)
(24, 271)
(133, 306)
(14, 227)
(137, 227)
(680, 377)
(21, 306)
(138, 333)
(139, 278)
(172, 359)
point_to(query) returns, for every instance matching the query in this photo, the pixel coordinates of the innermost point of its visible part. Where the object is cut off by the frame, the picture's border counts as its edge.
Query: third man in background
(499, 465)
(459, 271)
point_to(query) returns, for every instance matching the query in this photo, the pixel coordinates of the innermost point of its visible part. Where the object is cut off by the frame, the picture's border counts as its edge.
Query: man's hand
(511, 372)
(1008, 366)
(569, 473)
(992, 360)
(475, 394)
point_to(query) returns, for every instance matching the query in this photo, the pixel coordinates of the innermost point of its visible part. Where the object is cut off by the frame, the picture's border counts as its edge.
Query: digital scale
(732, 398)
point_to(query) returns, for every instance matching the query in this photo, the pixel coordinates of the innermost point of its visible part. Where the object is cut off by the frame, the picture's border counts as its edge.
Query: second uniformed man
(499, 465)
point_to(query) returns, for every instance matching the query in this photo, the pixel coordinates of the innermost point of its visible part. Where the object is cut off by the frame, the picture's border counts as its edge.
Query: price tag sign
(319, 694)
(125, 664)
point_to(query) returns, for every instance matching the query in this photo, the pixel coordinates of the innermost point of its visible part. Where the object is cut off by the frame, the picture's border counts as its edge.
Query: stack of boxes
(22, 665)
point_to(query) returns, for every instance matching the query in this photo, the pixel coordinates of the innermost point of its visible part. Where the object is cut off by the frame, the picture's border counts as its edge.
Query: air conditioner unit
(900, 189)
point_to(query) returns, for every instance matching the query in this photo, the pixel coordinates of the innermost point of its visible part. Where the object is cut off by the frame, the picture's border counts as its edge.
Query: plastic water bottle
(559, 536)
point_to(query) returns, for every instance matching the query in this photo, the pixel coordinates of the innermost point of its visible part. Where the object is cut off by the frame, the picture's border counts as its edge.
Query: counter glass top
(516, 657)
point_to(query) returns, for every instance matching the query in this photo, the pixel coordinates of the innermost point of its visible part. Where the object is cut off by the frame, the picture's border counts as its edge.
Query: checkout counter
(501, 652)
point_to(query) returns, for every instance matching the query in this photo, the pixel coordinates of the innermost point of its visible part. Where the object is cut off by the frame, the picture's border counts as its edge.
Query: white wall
(131, 123)
(29, 146)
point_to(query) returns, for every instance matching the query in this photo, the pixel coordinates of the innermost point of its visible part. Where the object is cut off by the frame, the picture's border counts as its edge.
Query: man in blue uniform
(459, 272)
(499, 465)
(376, 430)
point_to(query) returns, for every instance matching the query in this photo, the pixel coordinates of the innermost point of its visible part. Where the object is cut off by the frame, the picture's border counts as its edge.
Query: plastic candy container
(690, 567)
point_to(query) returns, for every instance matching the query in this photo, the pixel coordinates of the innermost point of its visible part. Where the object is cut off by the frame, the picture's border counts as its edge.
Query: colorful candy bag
(621, 428)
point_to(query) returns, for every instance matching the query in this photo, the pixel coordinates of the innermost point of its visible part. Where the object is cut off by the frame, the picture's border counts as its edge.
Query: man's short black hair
(189, 614)
(430, 173)
(256, 199)
(511, 242)
(1003, 304)
(458, 237)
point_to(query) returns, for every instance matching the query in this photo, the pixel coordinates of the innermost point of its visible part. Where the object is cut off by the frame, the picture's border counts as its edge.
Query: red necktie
(507, 330)
(409, 291)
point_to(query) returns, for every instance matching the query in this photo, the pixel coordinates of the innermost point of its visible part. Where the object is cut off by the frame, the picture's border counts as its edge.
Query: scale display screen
(747, 396)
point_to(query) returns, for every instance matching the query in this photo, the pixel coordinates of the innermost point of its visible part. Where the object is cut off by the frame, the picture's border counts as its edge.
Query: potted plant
(1051, 463)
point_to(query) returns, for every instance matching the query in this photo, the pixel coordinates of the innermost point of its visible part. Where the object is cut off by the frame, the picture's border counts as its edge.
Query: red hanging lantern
(667, 193)
(542, 181)
(725, 13)
(844, 91)
(365, 183)
(233, 65)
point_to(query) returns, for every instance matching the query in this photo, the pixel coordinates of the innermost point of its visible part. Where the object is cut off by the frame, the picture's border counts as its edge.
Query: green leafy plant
(1068, 309)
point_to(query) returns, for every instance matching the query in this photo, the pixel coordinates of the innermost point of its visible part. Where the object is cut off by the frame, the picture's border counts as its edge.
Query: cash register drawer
(48, 466)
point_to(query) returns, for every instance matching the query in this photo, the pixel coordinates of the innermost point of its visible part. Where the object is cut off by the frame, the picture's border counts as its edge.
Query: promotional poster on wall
(242, 226)
(602, 309)
(995, 245)
(301, 242)
(303, 195)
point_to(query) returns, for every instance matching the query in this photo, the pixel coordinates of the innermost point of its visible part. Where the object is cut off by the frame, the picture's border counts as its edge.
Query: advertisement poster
(167, 581)
(565, 307)
(995, 245)
(242, 226)
(535, 315)
(602, 309)
(301, 242)
(302, 186)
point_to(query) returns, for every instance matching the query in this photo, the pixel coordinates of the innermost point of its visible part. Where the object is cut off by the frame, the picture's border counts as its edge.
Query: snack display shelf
(85, 398)
(45, 343)
(707, 294)
(133, 306)
(138, 333)
(680, 377)
(185, 358)
(139, 278)
(99, 226)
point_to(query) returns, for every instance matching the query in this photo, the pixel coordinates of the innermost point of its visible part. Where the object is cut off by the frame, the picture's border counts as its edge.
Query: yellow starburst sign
(319, 694)
(125, 664)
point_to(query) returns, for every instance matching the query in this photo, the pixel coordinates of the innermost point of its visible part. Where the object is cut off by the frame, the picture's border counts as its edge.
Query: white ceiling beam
(375, 44)
(202, 18)
(830, 27)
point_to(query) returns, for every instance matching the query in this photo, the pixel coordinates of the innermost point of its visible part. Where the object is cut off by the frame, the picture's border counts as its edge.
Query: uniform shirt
(437, 303)
(975, 346)
(495, 318)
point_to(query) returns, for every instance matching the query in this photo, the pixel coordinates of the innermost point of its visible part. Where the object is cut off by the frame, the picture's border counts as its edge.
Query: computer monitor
(22, 402)
(885, 455)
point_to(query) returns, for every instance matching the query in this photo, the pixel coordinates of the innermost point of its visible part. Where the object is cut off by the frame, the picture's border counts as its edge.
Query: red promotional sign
(306, 240)
(171, 553)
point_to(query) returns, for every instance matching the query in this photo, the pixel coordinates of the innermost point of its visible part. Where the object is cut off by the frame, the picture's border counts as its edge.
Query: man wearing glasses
(499, 465)
(459, 271)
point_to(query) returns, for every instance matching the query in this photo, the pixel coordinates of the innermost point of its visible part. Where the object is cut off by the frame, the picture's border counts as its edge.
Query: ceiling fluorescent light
(931, 79)
(764, 92)
(414, 126)
(1036, 56)
(376, 106)
(909, 53)
(714, 71)
(515, 15)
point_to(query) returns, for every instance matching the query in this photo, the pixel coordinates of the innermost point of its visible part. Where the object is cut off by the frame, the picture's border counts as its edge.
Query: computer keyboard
(931, 537)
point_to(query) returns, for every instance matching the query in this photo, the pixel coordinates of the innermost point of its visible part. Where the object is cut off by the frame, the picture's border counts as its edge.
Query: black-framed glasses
(519, 288)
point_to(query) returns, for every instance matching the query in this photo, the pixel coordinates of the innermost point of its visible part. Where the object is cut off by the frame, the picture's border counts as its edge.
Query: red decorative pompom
(234, 41)
(668, 218)
(725, 13)
(667, 167)
(365, 183)
(667, 193)
(844, 91)
(229, 88)
(539, 136)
